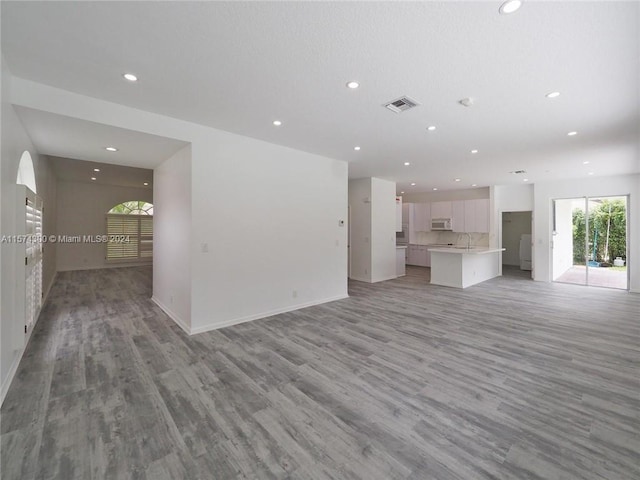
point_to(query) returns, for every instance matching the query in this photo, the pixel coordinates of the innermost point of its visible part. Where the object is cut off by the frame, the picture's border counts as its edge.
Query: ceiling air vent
(401, 104)
(518, 172)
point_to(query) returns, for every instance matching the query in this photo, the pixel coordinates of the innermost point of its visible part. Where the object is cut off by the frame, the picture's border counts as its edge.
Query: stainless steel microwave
(441, 224)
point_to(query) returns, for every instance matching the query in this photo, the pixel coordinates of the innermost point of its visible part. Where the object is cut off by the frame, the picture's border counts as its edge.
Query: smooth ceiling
(238, 66)
(71, 170)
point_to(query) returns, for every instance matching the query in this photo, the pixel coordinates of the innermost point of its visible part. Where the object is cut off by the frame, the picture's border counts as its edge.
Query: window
(130, 232)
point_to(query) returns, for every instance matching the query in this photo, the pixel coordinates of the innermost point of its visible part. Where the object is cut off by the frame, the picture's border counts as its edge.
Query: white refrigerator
(525, 251)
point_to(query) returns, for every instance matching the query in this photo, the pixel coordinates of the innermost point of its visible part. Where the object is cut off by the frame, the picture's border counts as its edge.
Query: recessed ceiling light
(431, 128)
(111, 149)
(552, 94)
(353, 85)
(146, 183)
(131, 77)
(93, 178)
(474, 151)
(406, 164)
(96, 169)
(510, 6)
(571, 134)
(474, 184)
(525, 179)
(401, 192)
(356, 148)
(457, 179)
(586, 162)
(413, 184)
(590, 173)
(277, 123)
(435, 188)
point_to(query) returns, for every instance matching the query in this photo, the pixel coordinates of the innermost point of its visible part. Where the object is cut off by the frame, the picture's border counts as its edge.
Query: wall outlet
(204, 247)
(295, 294)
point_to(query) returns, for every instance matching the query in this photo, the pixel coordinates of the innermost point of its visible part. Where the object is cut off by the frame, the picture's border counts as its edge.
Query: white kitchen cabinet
(418, 255)
(476, 215)
(421, 217)
(423, 256)
(457, 216)
(441, 210)
(412, 255)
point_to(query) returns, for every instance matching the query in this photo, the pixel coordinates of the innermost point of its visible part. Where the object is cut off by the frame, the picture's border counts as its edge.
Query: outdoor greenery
(607, 227)
(133, 207)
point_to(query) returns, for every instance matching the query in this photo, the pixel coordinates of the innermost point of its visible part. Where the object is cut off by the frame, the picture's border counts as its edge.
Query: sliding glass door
(590, 241)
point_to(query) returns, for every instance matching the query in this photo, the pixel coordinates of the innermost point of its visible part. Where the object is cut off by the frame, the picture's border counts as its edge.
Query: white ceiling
(238, 66)
(69, 137)
(70, 170)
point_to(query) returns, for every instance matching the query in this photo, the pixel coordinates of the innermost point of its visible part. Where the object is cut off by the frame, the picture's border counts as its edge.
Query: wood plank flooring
(509, 379)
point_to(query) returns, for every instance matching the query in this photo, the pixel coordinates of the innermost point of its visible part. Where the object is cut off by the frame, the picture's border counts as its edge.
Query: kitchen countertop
(463, 250)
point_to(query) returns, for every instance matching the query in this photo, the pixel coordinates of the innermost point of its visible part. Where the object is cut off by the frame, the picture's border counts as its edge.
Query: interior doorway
(516, 240)
(590, 241)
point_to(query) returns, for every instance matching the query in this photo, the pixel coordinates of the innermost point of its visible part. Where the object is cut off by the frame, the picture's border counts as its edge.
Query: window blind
(129, 237)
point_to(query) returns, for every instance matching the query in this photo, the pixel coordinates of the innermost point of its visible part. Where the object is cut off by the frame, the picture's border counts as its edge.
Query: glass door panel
(568, 244)
(607, 242)
(589, 245)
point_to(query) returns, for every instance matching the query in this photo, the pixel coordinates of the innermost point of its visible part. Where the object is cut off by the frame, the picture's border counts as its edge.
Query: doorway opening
(516, 239)
(590, 241)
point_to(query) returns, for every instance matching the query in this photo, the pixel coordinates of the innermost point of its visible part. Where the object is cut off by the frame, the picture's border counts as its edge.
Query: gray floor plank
(509, 379)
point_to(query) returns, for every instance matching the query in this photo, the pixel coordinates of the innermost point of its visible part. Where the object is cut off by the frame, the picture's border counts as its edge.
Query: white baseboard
(18, 354)
(236, 321)
(48, 289)
(12, 372)
(108, 265)
(173, 316)
(359, 279)
(384, 279)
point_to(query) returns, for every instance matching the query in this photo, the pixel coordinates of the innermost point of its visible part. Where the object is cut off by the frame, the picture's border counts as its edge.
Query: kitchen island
(461, 267)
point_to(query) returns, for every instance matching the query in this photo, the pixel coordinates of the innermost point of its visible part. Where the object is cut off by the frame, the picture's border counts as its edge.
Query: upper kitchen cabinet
(441, 210)
(405, 214)
(398, 214)
(476, 215)
(458, 220)
(421, 217)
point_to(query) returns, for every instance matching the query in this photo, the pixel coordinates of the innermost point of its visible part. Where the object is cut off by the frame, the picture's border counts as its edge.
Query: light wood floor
(509, 379)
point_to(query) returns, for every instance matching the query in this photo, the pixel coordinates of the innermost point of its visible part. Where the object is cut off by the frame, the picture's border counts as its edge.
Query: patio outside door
(590, 241)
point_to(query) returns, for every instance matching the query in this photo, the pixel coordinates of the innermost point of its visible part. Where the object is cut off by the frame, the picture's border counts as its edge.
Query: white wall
(383, 230)
(172, 237)
(81, 211)
(514, 224)
(15, 141)
(269, 214)
(360, 225)
(562, 242)
(446, 195)
(545, 192)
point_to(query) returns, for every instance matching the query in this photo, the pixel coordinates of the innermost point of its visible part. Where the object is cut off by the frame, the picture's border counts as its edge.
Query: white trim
(10, 375)
(19, 353)
(236, 321)
(358, 279)
(384, 279)
(173, 316)
(48, 289)
(110, 265)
